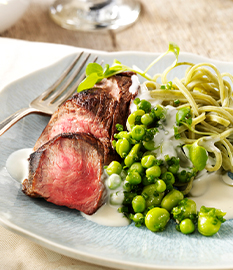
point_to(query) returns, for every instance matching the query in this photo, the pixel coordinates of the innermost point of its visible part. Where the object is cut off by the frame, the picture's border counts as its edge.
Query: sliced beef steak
(66, 167)
(68, 171)
(95, 111)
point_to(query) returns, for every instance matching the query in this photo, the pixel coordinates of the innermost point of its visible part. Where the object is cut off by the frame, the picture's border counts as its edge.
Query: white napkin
(19, 58)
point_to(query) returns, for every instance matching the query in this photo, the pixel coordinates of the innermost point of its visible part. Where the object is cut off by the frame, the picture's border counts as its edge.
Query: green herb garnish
(95, 72)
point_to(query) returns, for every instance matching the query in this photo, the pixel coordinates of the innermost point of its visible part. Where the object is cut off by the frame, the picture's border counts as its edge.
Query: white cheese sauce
(164, 139)
(135, 84)
(17, 164)
(213, 190)
(108, 215)
(209, 189)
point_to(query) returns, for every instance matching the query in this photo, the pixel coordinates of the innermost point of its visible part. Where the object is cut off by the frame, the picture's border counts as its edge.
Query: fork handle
(14, 118)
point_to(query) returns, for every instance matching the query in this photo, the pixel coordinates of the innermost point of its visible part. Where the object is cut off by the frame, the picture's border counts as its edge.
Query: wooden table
(200, 27)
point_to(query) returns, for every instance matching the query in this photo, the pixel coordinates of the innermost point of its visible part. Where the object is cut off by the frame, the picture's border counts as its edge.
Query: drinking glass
(92, 15)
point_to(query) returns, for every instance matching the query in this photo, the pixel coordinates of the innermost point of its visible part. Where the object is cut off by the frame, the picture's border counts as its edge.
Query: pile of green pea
(150, 186)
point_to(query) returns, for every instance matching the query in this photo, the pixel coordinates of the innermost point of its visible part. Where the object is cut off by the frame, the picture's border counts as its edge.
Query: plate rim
(85, 256)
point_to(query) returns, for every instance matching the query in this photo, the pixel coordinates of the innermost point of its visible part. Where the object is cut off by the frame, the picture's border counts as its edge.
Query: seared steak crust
(66, 167)
(68, 171)
(95, 111)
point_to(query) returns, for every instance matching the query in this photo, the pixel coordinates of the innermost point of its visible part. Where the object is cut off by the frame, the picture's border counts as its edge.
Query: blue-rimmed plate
(66, 231)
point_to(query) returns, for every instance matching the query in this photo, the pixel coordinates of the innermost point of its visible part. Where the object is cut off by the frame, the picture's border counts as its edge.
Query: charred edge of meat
(101, 107)
(91, 151)
(95, 111)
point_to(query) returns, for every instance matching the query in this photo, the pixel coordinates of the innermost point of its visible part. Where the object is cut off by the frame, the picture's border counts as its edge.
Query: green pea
(210, 220)
(174, 168)
(172, 199)
(186, 208)
(150, 145)
(136, 101)
(134, 178)
(168, 178)
(129, 160)
(117, 198)
(148, 161)
(150, 133)
(182, 176)
(132, 116)
(114, 167)
(173, 164)
(126, 186)
(137, 167)
(138, 217)
(149, 152)
(157, 112)
(151, 195)
(138, 204)
(156, 219)
(208, 227)
(153, 171)
(171, 160)
(123, 147)
(160, 186)
(133, 155)
(144, 105)
(122, 134)
(147, 119)
(187, 226)
(114, 181)
(138, 132)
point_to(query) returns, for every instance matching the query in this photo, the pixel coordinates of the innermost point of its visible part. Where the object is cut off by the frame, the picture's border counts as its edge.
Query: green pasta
(209, 95)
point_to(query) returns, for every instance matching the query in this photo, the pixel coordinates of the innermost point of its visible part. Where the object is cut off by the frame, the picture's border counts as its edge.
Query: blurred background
(196, 26)
(201, 27)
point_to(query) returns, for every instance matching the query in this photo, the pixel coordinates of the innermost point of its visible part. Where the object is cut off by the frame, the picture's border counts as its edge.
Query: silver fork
(49, 101)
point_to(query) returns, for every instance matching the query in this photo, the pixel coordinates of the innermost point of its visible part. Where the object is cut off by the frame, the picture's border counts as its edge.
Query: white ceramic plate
(66, 231)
